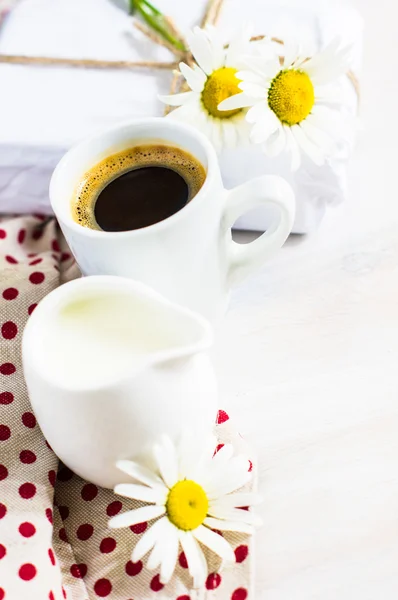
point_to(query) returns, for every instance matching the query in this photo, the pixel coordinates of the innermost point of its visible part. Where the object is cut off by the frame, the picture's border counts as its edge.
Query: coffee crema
(137, 187)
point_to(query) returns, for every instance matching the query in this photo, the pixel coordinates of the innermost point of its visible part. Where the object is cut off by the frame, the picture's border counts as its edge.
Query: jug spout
(103, 328)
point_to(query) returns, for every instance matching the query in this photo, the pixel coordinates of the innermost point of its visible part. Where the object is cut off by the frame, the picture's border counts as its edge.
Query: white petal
(237, 500)
(139, 515)
(228, 478)
(234, 102)
(149, 539)
(235, 514)
(291, 52)
(166, 458)
(170, 558)
(157, 555)
(177, 99)
(223, 525)
(229, 134)
(251, 77)
(139, 473)
(216, 46)
(276, 143)
(139, 492)
(194, 78)
(267, 68)
(197, 565)
(321, 139)
(223, 455)
(265, 128)
(307, 146)
(215, 542)
(293, 148)
(256, 112)
(196, 452)
(238, 45)
(200, 47)
(253, 89)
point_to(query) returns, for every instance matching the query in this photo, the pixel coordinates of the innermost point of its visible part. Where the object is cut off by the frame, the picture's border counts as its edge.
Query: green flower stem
(156, 20)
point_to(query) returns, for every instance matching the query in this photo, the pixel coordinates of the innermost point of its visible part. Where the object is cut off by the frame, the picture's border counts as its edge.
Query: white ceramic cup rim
(60, 175)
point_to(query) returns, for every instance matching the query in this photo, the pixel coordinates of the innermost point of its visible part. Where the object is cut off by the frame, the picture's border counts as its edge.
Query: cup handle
(270, 191)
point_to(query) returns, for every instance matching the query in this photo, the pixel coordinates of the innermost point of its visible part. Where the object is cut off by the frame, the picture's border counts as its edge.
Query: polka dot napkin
(54, 539)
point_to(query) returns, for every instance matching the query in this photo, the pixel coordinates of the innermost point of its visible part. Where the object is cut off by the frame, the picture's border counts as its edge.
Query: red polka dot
(64, 512)
(27, 457)
(65, 256)
(133, 569)
(182, 559)
(39, 216)
(65, 474)
(139, 527)
(51, 556)
(185, 597)
(27, 529)
(218, 448)
(3, 551)
(107, 545)
(241, 553)
(10, 293)
(3, 472)
(89, 492)
(62, 535)
(21, 236)
(102, 587)
(5, 433)
(11, 260)
(7, 369)
(6, 398)
(239, 594)
(114, 508)
(27, 572)
(222, 416)
(84, 532)
(213, 581)
(49, 515)
(3, 234)
(250, 469)
(63, 592)
(27, 490)
(29, 420)
(3, 510)
(155, 584)
(36, 277)
(32, 254)
(36, 261)
(32, 308)
(9, 330)
(51, 596)
(52, 476)
(55, 246)
(78, 570)
(2, 594)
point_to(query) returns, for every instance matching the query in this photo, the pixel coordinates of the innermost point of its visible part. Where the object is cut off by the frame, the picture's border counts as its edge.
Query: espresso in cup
(136, 188)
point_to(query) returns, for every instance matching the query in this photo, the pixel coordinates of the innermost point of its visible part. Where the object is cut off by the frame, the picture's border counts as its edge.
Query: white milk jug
(110, 365)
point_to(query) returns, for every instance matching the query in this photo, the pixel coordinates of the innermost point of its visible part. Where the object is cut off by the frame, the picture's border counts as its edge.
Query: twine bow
(179, 50)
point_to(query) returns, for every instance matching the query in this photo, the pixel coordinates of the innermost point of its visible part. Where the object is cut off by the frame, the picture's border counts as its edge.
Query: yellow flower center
(221, 84)
(187, 505)
(291, 96)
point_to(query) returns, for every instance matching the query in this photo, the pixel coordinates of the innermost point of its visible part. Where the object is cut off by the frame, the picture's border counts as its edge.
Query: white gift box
(44, 110)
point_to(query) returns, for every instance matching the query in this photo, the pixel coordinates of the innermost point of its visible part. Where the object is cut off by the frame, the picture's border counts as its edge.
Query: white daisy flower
(211, 80)
(193, 491)
(291, 103)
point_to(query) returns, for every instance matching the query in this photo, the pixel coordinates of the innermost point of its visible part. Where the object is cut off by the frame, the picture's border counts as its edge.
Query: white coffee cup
(189, 257)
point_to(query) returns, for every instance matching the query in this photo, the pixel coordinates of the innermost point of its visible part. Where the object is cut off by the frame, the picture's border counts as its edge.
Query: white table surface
(308, 361)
